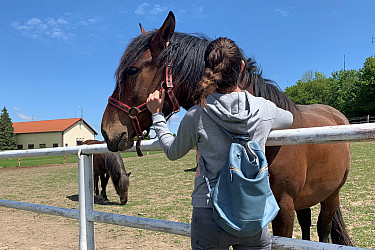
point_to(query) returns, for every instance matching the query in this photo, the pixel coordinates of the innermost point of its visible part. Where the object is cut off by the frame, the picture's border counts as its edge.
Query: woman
(219, 102)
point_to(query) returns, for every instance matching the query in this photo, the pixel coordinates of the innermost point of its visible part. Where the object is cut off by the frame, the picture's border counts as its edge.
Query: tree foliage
(7, 136)
(350, 91)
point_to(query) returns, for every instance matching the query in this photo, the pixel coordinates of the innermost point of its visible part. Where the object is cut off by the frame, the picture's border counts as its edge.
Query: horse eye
(132, 71)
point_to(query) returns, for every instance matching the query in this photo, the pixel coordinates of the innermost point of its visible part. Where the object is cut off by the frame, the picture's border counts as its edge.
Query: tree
(7, 136)
(349, 91)
(367, 92)
(346, 88)
(312, 88)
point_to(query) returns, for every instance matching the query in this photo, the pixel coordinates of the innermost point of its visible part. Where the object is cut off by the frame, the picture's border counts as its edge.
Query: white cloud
(89, 21)
(24, 117)
(141, 10)
(284, 12)
(16, 109)
(51, 28)
(150, 10)
(157, 9)
(33, 28)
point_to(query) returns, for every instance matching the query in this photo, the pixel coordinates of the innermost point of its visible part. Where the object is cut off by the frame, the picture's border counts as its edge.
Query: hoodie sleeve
(175, 147)
(283, 119)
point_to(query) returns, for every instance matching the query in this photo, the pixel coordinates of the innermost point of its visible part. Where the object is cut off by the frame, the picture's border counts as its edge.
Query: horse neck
(115, 166)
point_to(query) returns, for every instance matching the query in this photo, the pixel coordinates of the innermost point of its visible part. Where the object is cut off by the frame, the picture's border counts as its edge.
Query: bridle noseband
(167, 84)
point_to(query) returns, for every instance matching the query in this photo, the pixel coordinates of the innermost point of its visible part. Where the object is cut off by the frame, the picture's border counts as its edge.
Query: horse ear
(142, 29)
(128, 174)
(163, 35)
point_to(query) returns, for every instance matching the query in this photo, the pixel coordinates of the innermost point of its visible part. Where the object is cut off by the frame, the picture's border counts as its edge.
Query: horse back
(317, 115)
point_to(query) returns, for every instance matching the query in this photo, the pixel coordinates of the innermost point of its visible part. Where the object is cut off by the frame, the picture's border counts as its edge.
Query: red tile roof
(46, 126)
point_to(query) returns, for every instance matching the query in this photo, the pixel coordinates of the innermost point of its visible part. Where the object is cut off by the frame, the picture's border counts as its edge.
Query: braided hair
(222, 69)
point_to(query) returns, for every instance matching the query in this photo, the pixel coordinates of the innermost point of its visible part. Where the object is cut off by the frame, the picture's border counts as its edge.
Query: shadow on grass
(191, 170)
(98, 200)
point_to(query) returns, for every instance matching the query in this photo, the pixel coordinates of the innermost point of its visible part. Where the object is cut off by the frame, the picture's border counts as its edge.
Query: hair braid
(222, 69)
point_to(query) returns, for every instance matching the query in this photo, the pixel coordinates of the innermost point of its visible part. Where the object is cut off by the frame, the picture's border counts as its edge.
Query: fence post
(86, 202)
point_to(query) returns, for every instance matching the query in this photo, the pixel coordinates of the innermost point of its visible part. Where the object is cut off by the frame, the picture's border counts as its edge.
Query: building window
(42, 145)
(55, 145)
(19, 146)
(79, 143)
(30, 146)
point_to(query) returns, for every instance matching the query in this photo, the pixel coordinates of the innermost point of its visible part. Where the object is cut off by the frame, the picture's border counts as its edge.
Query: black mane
(187, 54)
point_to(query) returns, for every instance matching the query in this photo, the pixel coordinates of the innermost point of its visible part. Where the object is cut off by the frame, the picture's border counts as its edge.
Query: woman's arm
(174, 147)
(283, 119)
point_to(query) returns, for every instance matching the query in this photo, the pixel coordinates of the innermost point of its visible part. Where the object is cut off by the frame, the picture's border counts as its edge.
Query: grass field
(49, 160)
(161, 189)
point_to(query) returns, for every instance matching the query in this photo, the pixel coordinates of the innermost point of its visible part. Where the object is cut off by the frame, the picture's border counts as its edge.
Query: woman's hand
(155, 102)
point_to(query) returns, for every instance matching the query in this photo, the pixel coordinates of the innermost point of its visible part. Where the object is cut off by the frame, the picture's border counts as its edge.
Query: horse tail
(339, 234)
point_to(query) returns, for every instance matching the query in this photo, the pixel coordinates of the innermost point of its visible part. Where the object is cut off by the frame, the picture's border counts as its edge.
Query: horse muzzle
(123, 201)
(118, 142)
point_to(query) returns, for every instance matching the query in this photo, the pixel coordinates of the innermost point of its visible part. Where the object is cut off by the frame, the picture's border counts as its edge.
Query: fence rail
(313, 135)
(87, 215)
(362, 119)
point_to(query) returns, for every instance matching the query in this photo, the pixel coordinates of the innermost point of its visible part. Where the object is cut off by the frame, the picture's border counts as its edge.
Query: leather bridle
(133, 112)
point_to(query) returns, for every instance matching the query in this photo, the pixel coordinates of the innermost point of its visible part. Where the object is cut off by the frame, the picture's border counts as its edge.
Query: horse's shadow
(98, 200)
(191, 170)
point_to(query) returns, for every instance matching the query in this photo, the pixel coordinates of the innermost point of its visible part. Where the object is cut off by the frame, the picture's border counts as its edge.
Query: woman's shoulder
(267, 109)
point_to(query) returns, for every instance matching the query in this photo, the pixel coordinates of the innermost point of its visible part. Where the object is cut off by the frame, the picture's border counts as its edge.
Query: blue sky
(59, 57)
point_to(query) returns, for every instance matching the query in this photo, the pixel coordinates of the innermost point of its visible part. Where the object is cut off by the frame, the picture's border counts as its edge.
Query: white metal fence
(87, 215)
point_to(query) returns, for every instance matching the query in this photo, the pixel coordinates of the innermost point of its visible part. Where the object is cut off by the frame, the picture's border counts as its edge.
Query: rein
(168, 86)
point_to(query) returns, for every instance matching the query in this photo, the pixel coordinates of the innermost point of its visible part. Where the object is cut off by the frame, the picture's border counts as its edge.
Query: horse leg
(282, 225)
(304, 219)
(328, 208)
(104, 180)
(96, 184)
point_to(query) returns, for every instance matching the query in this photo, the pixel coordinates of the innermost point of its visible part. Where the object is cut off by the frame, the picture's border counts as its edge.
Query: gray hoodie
(237, 112)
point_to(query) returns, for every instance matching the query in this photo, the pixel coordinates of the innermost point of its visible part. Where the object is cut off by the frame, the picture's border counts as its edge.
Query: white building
(52, 133)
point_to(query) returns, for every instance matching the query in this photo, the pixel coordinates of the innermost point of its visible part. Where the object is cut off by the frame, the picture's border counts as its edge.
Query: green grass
(357, 195)
(38, 161)
(51, 160)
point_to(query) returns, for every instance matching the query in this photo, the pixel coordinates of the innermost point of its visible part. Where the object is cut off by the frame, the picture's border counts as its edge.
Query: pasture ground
(159, 189)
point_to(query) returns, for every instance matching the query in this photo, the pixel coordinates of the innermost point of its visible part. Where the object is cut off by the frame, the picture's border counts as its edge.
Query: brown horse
(110, 165)
(301, 176)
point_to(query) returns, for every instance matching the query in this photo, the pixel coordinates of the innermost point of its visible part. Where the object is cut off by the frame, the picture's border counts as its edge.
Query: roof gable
(59, 125)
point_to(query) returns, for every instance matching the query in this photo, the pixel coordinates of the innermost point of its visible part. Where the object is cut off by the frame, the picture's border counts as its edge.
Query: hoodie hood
(237, 112)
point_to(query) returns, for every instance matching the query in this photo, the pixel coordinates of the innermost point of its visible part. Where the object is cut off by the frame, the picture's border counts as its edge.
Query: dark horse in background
(301, 176)
(110, 165)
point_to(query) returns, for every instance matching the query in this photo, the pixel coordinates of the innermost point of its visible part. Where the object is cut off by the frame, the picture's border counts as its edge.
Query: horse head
(122, 188)
(137, 76)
